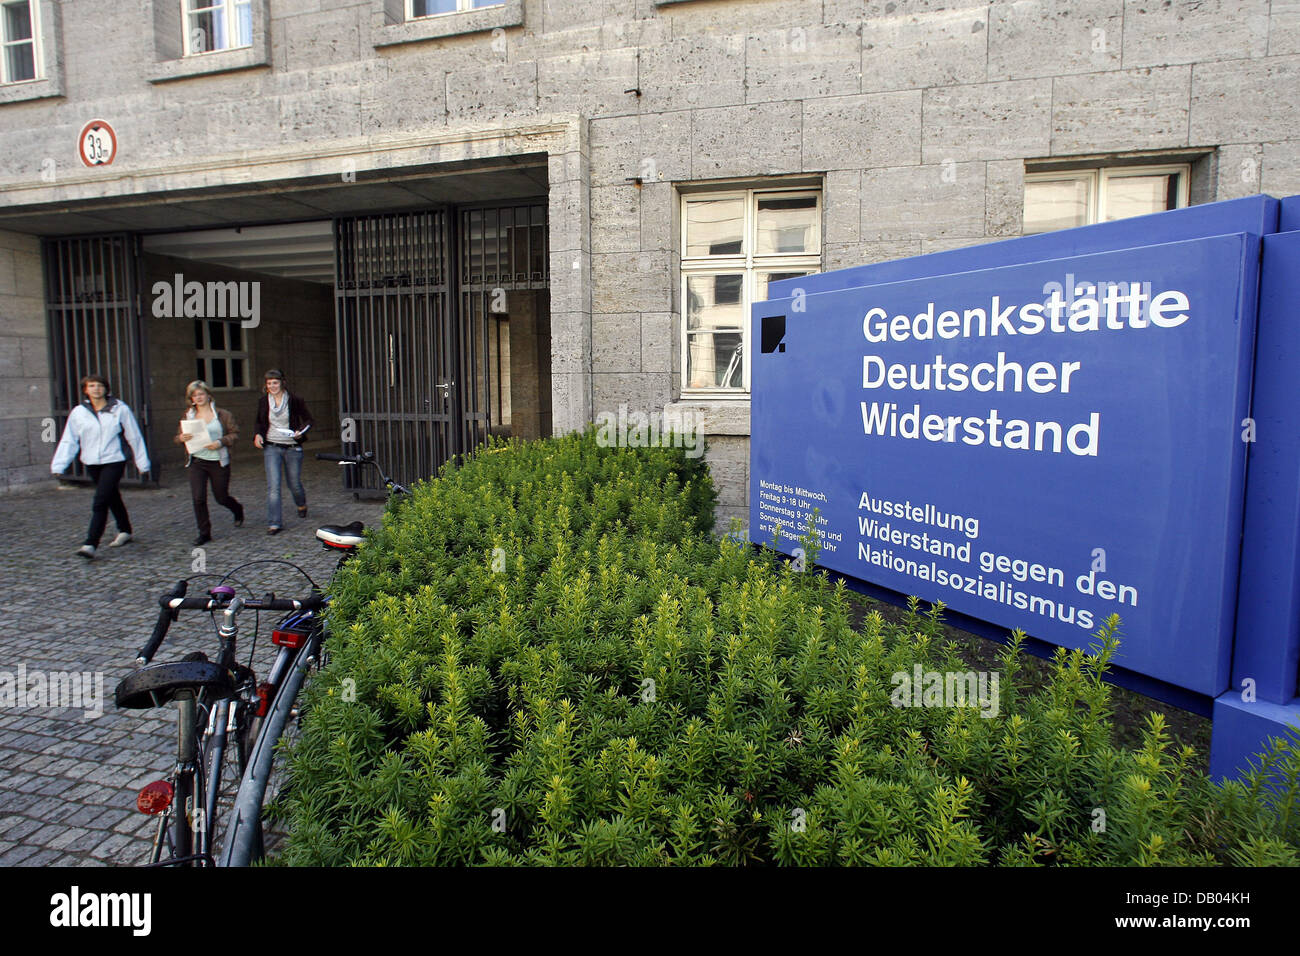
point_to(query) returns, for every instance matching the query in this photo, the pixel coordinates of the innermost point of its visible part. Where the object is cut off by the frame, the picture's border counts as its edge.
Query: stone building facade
(684, 153)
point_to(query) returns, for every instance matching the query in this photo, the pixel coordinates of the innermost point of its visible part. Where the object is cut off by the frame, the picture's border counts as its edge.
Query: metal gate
(391, 292)
(95, 326)
(419, 353)
(503, 249)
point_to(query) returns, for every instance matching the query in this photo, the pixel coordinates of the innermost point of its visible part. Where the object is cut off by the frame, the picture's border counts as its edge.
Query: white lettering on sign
(1090, 307)
(1121, 306)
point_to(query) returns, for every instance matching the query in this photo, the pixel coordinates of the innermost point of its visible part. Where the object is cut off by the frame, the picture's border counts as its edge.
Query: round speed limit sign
(98, 144)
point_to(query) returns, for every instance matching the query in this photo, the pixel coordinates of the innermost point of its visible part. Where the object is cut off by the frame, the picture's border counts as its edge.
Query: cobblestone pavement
(68, 781)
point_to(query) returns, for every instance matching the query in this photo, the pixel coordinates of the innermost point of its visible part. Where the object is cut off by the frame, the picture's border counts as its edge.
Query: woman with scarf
(282, 425)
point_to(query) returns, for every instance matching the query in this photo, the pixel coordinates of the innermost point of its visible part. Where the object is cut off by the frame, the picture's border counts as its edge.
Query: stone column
(569, 223)
(27, 434)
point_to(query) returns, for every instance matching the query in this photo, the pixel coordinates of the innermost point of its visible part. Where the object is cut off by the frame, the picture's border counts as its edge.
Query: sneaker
(239, 520)
(273, 530)
(87, 551)
(202, 539)
(122, 538)
(302, 511)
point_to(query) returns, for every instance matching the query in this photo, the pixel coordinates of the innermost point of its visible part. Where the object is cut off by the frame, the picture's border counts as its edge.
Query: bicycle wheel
(274, 819)
(265, 776)
(274, 829)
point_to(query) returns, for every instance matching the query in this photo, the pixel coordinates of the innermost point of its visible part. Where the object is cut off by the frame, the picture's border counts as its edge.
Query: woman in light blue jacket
(99, 429)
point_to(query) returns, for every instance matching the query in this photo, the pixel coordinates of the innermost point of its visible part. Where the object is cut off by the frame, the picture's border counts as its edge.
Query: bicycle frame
(222, 691)
(183, 819)
(243, 841)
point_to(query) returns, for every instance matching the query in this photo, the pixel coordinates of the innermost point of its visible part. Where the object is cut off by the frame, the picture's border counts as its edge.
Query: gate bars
(93, 316)
(420, 347)
(391, 294)
(503, 249)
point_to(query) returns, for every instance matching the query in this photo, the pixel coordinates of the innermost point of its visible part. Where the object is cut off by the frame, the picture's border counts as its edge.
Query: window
(212, 25)
(414, 21)
(205, 37)
(734, 244)
(22, 49)
(1060, 200)
(433, 8)
(222, 354)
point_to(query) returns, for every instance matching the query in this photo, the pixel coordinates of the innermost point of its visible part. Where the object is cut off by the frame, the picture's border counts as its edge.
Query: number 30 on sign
(98, 145)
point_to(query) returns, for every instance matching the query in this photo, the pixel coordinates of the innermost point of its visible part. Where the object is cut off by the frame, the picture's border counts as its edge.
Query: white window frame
(38, 58)
(1099, 177)
(462, 6)
(207, 354)
(748, 264)
(230, 14)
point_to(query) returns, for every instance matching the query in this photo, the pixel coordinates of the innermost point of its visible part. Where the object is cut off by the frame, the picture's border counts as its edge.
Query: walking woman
(282, 425)
(99, 429)
(211, 462)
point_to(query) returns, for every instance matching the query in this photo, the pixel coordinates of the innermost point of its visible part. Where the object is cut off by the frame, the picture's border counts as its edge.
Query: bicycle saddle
(159, 684)
(342, 535)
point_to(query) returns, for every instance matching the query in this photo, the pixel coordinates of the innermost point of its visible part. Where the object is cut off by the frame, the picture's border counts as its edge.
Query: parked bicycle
(220, 701)
(301, 648)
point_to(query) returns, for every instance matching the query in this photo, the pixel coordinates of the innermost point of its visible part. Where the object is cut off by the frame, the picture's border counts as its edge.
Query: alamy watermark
(637, 429)
(58, 690)
(920, 688)
(179, 299)
(74, 909)
(1123, 299)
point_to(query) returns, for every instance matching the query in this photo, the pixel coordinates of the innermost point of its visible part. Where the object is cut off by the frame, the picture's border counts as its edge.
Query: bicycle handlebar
(313, 603)
(165, 618)
(174, 601)
(365, 458)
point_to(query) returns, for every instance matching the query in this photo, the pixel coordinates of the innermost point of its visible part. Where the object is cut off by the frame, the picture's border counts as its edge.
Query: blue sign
(1036, 444)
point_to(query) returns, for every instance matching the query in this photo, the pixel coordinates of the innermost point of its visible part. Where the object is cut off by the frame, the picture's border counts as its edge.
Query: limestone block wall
(917, 116)
(27, 436)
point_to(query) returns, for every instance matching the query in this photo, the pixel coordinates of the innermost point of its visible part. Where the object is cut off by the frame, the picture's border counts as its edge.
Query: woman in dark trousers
(282, 425)
(99, 430)
(212, 462)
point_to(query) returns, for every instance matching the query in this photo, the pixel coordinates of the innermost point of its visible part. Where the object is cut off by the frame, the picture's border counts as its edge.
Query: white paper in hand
(197, 437)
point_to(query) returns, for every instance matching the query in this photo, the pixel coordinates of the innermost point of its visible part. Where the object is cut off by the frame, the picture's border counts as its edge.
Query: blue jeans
(275, 457)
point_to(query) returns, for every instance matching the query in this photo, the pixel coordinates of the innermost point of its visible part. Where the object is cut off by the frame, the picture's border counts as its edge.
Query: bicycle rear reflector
(290, 639)
(264, 692)
(155, 798)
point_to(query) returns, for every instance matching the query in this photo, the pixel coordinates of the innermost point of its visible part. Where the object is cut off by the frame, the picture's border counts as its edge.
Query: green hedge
(554, 662)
